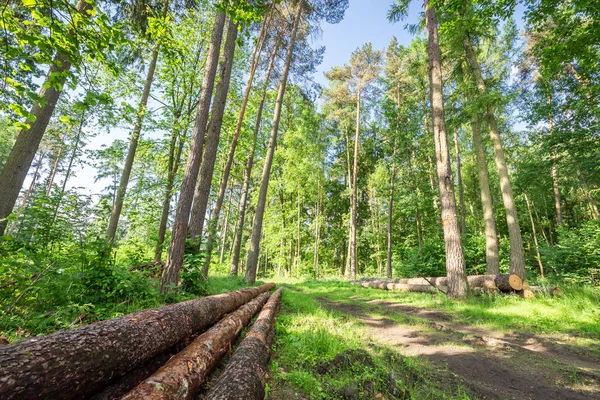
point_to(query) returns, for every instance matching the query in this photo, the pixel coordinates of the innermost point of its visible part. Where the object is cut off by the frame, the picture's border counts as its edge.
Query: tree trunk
(74, 363)
(253, 253)
(28, 193)
(225, 230)
(55, 167)
(459, 183)
(537, 247)
(245, 374)
(492, 259)
(590, 197)
(211, 146)
(455, 260)
(171, 272)
(172, 167)
(391, 215)
(559, 218)
(133, 143)
(233, 146)
(517, 256)
(21, 156)
(237, 241)
(182, 375)
(354, 194)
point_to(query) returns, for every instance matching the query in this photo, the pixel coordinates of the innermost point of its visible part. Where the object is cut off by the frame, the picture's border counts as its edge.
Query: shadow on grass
(310, 338)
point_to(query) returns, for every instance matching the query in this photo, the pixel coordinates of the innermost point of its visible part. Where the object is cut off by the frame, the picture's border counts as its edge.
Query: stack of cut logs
(162, 353)
(505, 283)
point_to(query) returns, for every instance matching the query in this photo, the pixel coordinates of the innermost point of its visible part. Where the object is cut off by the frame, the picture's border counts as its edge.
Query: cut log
(124, 385)
(183, 374)
(505, 283)
(553, 290)
(80, 362)
(244, 375)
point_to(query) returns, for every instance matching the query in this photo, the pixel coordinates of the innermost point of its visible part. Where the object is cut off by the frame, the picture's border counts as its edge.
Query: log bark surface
(244, 376)
(183, 374)
(502, 282)
(81, 361)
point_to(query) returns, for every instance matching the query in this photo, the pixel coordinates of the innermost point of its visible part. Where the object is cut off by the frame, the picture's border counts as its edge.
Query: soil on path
(491, 365)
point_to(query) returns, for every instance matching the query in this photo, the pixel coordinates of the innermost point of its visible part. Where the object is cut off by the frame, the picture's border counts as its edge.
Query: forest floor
(399, 345)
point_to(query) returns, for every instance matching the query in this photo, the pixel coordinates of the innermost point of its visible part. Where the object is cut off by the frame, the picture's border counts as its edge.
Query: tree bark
(253, 253)
(172, 167)
(388, 270)
(171, 272)
(183, 374)
(455, 260)
(517, 255)
(502, 282)
(233, 146)
(459, 183)
(212, 139)
(537, 246)
(78, 362)
(237, 242)
(492, 258)
(224, 229)
(21, 156)
(245, 374)
(55, 167)
(133, 142)
(27, 194)
(354, 194)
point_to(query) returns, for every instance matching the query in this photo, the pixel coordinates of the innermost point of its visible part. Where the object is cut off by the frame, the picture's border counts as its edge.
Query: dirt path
(490, 364)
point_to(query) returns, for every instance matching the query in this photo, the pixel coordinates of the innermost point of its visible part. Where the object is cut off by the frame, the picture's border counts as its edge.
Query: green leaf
(29, 3)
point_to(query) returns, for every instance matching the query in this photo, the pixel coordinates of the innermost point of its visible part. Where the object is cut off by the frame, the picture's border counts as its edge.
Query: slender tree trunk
(559, 218)
(70, 166)
(517, 256)
(390, 218)
(171, 272)
(354, 194)
(133, 143)
(535, 241)
(175, 151)
(225, 228)
(492, 259)
(253, 253)
(590, 197)
(459, 183)
(55, 167)
(455, 260)
(21, 156)
(298, 225)
(419, 233)
(27, 194)
(317, 228)
(211, 146)
(237, 241)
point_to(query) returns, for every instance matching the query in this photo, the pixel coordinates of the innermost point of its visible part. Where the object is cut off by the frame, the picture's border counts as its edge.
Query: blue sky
(365, 21)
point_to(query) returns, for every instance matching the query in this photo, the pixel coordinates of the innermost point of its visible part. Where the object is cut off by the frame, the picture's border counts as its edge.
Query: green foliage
(577, 252)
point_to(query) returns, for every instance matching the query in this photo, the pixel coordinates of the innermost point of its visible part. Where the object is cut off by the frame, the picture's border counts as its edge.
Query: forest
(157, 152)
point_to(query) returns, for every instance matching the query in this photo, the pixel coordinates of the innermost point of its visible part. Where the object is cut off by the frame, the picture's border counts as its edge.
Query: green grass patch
(325, 354)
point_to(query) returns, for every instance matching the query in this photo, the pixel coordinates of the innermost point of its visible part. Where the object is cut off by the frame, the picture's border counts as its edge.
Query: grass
(577, 310)
(322, 354)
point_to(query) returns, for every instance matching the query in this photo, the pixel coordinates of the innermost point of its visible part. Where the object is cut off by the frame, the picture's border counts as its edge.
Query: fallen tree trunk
(80, 362)
(183, 374)
(244, 376)
(553, 290)
(504, 283)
